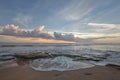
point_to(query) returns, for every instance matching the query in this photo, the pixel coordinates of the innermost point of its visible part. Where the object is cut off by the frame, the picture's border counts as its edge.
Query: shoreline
(24, 72)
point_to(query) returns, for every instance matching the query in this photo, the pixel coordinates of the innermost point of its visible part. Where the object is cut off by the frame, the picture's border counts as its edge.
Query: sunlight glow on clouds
(13, 30)
(80, 21)
(103, 25)
(14, 39)
(65, 37)
(39, 28)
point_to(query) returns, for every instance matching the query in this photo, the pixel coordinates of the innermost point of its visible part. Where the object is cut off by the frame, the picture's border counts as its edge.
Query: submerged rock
(7, 58)
(49, 55)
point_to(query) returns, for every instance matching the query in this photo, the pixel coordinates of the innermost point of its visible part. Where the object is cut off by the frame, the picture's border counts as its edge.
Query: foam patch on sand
(60, 63)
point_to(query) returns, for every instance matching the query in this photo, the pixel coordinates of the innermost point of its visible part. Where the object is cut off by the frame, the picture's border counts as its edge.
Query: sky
(60, 21)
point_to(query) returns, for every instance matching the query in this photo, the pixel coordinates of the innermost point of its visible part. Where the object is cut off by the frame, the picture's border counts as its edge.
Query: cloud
(13, 30)
(10, 29)
(63, 36)
(104, 25)
(100, 27)
(38, 33)
(71, 37)
(23, 19)
(40, 28)
(75, 10)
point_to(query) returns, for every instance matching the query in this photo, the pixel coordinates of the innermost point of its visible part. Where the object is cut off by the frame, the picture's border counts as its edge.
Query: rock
(50, 55)
(114, 66)
(6, 59)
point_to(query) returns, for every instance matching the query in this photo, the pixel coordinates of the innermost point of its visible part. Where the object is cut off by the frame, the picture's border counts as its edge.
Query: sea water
(111, 52)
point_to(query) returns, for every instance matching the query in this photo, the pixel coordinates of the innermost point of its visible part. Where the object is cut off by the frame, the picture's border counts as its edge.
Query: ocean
(104, 53)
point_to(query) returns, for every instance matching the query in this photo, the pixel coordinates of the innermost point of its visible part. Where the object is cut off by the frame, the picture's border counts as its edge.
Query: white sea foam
(59, 63)
(91, 51)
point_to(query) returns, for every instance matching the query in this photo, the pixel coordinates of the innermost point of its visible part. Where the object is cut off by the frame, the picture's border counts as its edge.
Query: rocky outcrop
(114, 66)
(50, 55)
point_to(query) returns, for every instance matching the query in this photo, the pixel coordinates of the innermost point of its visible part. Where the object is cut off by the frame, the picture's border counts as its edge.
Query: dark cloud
(71, 37)
(60, 36)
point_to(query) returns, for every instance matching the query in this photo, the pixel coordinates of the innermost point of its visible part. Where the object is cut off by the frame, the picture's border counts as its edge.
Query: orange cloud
(108, 40)
(30, 40)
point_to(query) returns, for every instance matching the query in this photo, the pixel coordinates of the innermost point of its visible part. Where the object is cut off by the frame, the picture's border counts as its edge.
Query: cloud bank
(38, 33)
(13, 30)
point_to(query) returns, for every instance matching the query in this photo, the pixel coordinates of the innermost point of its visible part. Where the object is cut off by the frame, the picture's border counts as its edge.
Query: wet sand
(26, 73)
